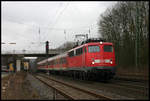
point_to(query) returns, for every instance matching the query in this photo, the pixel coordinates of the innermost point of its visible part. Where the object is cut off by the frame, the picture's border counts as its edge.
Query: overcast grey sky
(21, 22)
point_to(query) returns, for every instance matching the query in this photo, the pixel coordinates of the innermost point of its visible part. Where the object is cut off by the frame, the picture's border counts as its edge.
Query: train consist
(93, 59)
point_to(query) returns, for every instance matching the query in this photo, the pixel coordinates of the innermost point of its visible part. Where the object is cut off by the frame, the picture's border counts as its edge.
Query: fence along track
(69, 95)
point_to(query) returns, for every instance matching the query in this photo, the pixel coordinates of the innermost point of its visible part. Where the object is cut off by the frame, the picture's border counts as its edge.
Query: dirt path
(15, 86)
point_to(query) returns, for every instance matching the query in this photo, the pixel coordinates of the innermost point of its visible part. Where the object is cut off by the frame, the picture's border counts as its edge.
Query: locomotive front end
(100, 60)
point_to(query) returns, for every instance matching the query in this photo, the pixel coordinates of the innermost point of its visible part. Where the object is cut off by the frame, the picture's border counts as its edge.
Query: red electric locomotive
(93, 59)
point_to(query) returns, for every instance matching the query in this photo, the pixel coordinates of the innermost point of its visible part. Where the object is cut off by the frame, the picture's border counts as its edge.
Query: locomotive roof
(58, 56)
(43, 61)
(90, 40)
(94, 40)
(53, 58)
(91, 43)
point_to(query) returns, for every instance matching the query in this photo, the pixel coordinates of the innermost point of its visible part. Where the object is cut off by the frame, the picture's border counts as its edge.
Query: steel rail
(58, 90)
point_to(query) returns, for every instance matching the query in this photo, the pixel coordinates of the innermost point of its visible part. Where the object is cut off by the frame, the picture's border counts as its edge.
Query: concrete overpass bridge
(18, 59)
(52, 52)
(8, 58)
(27, 55)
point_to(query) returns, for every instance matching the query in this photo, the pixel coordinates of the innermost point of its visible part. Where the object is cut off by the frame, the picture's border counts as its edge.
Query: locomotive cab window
(108, 48)
(92, 49)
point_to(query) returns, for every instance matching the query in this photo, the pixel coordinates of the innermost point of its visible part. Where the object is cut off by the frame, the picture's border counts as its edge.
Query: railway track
(125, 88)
(132, 84)
(128, 89)
(136, 85)
(69, 90)
(134, 78)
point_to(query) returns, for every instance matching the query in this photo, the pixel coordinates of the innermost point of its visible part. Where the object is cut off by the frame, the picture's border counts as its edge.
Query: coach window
(71, 53)
(65, 60)
(108, 48)
(85, 49)
(79, 51)
(55, 62)
(60, 62)
(92, 49)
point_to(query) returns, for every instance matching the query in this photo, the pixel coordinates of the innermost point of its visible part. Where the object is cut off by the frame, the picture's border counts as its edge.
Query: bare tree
(121, 24)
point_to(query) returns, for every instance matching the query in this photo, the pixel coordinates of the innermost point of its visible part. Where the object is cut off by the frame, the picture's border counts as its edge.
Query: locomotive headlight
(92, 62)
(100, 42)
(110, 62)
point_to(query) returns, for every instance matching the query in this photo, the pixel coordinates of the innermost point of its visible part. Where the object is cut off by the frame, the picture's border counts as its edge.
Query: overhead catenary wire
(56, 19)
(59, 13)
(44, 33)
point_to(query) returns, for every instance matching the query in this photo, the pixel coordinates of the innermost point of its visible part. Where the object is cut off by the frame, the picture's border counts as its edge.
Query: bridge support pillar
(18, 65)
